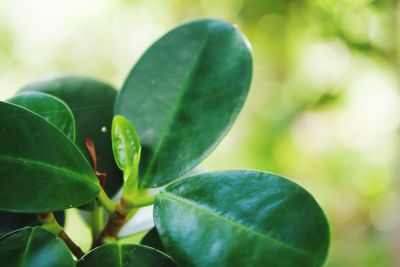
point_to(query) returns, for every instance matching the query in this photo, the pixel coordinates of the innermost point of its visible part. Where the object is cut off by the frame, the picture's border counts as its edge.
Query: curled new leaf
(125, 143)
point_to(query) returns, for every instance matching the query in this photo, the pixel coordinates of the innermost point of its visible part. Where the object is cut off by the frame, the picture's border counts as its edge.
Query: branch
(123, 212)
(114, 224)
(50, 223)
(106, 202)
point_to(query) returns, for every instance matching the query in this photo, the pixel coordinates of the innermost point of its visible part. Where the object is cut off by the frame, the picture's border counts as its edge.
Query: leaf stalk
(50, 223)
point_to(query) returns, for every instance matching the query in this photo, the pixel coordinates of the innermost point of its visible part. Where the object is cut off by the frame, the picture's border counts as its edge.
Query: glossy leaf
(241, 218)
(40, 168)
(184, 95)
(50, 108)
(10, 221)
(152, 239)
(125, 142)
(92, 103)
(34, 247)
(118, 255)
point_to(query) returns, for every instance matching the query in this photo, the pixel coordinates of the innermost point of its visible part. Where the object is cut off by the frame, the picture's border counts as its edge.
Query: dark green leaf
(92, 103)
(40, 168)
(34, 247)
(10, 221)
(184, 95)
(118, 255)
(49, 107)
(241, 218)
(152, 239)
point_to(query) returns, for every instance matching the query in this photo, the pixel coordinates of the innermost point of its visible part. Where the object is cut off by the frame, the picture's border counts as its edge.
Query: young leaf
(125, 143)
(92, 103)
(41, 170)
(53, 109)
(34, 247)
(184, 95)
(241, 218)
(118, 255)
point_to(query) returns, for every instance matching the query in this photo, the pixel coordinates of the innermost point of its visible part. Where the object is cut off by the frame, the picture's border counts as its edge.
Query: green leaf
(152, 239)
(118, 255)
(52, 109)
(92, 103)
(34, 247)
(184, 95)
(41, 170)
(125, 143)
(241, 218)
(10, 221)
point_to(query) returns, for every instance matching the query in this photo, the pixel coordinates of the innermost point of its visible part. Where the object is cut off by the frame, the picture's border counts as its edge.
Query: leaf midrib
(187, 202)
(174, 112)
(27, 247)
(120, 254)
(45, 166)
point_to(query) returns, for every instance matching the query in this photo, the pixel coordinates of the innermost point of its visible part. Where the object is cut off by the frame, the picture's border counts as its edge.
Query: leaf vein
(27, 247)
(174, 112)
(187, 202)
(45, 166)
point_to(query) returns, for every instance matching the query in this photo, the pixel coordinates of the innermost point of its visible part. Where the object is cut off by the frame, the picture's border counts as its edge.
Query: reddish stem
(77, 251)
(92, 152)
(114, 224)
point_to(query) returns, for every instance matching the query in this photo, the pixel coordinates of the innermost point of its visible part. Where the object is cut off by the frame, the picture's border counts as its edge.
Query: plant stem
(106, 202)
(123, 212)
(114, 224)
(96, 217)
(50, 223)
(144, 201)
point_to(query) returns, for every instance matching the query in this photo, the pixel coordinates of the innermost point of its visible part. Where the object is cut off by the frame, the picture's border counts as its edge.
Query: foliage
(176, 105)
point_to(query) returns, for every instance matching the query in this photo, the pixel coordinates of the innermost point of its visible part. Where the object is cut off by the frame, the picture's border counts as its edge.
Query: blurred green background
(323, 108)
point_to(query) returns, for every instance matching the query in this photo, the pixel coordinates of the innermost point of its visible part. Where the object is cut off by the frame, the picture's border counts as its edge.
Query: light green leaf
(125, 143)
